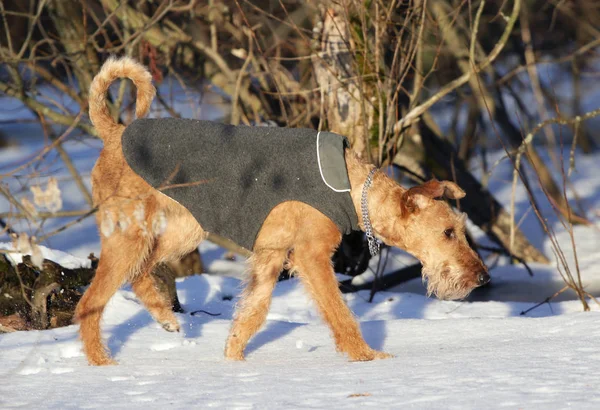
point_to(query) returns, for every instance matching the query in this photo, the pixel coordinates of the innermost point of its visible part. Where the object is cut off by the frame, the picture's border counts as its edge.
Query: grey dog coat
(231, 177)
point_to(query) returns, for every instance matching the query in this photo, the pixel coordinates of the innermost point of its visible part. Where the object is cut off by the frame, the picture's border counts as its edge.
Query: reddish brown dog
(152, 228)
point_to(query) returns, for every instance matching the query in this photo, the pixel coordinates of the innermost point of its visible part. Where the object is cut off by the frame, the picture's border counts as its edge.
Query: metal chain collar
(373, 242)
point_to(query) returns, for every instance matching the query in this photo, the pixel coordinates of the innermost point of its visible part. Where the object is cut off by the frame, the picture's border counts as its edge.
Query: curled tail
(112, 69)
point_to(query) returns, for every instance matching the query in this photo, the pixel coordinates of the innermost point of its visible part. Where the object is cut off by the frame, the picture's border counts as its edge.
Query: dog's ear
(436, 189)
(414, 199)
(452, 190)
(420, 196)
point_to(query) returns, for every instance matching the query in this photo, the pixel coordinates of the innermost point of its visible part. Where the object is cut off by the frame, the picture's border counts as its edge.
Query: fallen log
(46, 296)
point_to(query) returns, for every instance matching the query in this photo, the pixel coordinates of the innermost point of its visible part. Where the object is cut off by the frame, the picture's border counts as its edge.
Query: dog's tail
(112, 69)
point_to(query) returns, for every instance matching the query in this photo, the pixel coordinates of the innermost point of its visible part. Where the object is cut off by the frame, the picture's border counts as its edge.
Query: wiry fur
(142, 227)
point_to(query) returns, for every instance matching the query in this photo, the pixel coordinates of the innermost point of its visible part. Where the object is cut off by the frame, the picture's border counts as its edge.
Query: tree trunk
(343, 102)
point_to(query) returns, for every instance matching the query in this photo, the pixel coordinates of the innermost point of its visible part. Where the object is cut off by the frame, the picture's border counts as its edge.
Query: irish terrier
(141, 226)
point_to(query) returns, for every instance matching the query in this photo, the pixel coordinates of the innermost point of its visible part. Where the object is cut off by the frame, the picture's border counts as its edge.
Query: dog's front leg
(254, 305)
(313, 263)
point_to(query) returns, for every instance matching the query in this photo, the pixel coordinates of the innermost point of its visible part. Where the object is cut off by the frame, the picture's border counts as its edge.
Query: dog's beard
(445, 284)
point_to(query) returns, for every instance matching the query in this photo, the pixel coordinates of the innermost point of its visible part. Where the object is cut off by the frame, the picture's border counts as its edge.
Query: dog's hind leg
(181, 235)
(122, 256)
(254, 305)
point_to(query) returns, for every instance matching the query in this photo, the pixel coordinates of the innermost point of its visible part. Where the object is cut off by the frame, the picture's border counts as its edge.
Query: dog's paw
(382, 355)
(102, 361)
(235, 357)
(233, 352)
(171, 326)
(368, 355)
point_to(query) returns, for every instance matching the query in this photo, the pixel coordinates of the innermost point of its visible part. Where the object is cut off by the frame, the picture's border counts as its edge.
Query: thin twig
(67, 161)
(68, 225)
(46, 149)
(548, 299)
(557, 120)
(475, 31)
(44, 215)
(17, 204)
(235, 117)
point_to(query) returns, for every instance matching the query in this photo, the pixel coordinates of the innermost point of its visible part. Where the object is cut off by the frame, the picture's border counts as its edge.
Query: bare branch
(416, 112)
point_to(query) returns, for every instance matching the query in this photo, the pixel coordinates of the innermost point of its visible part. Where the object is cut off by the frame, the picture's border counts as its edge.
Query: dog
(141, 226)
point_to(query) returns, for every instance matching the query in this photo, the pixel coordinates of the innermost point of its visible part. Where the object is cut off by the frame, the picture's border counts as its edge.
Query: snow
(479, 353)
(448, 355)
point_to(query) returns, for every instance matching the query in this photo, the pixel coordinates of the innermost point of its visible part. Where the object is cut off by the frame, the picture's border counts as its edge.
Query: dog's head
(428, 228)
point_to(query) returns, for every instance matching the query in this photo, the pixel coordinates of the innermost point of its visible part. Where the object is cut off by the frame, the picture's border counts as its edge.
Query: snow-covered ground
(480, 353)
(448, 355)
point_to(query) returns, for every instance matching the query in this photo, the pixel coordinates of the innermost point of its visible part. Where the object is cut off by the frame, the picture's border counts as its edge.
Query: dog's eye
(450, 233)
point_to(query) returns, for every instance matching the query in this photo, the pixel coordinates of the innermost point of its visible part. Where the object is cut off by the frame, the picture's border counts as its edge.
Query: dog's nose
(484, 278)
